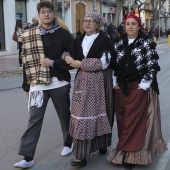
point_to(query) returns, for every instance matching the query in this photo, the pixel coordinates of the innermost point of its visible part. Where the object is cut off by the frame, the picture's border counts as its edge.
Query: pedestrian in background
(25, 25)
(92, 102)
(136, 98)
(46, 75)
(112, 32)
(106, 28)
(34, 22)
(29, 25)
(156, 33)
(121, 29)
(19, 30)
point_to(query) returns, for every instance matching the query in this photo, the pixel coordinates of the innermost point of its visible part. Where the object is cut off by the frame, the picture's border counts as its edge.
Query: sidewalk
(11, 63)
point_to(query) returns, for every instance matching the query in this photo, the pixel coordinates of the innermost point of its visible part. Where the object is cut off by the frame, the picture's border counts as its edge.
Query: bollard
(154, 39)
(168, 40)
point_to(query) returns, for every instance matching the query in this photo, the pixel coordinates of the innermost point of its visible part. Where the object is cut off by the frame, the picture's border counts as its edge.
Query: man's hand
(46, 62)
(68, 59)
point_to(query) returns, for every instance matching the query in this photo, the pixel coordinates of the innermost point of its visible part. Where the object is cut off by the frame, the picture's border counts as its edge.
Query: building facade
(76, 11)
(10, 11)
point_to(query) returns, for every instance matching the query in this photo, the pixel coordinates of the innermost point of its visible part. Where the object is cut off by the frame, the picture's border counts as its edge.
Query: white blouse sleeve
(145, 84)
(105, 64)
(114, 80)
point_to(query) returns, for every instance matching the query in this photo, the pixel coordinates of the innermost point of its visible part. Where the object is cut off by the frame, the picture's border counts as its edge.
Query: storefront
(108, 12)
(2, 36)
(10, 11)
(20, 10)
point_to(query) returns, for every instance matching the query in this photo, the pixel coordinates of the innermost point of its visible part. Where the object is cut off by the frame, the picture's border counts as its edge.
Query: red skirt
(131, 113)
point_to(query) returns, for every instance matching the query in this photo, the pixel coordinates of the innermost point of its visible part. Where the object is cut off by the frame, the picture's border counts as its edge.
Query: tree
(152, 6)
(166, 15)
(119, 6)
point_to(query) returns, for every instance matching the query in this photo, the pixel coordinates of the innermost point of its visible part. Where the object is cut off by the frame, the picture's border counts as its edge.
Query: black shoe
(103, 151)
(129, 166)
(20, 66)
(79, 163)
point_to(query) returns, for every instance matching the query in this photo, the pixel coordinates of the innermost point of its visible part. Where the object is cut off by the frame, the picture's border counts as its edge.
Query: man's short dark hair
(47, 4)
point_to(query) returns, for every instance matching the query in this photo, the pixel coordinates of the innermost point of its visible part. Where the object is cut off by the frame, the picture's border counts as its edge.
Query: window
(20, 9)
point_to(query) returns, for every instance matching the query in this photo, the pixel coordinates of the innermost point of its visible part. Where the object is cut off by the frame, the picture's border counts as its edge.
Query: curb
(10, 72)
(161, 42)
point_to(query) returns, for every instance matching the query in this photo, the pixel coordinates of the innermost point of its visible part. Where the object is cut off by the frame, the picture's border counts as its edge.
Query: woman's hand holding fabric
(76, 64)
(68, 59)
(117, 87)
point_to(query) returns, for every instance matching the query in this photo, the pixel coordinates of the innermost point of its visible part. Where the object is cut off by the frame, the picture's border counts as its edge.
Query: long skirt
(83, 148)
(154, 142)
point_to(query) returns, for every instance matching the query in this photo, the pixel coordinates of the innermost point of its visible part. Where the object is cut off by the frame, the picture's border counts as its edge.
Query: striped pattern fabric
(131, 115)
(83, 148)
(109, 94)
(32, 51)
(154, 142)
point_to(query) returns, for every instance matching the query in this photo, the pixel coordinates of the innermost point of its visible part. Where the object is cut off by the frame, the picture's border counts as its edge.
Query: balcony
(110, 2)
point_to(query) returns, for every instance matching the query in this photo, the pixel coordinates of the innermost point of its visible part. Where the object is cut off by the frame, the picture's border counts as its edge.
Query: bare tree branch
(147, 7)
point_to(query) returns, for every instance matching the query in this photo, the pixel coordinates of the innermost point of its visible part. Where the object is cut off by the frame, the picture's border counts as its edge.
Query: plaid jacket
(32, 51)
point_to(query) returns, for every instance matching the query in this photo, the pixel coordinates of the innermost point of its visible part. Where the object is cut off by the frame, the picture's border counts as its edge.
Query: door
(80, 12)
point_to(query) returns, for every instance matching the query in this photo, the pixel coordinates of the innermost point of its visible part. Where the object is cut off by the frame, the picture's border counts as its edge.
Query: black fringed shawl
(135, 62)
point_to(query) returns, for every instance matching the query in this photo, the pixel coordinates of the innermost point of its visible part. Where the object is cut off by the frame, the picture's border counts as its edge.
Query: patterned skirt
(83, 148)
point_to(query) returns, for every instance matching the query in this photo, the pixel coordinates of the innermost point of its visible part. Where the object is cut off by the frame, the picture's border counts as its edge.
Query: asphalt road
(14, 117)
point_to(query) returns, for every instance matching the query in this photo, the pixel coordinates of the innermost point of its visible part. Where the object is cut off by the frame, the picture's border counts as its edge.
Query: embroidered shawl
(135, 62)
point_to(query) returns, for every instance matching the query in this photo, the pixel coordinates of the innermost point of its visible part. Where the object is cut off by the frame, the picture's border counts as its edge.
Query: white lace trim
(89, 117)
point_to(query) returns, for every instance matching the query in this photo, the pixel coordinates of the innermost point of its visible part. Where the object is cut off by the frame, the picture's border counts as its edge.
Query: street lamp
(153, 29)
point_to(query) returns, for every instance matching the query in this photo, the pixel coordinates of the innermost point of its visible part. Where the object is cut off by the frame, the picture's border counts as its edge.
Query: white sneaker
(24, 164)
(66, 151)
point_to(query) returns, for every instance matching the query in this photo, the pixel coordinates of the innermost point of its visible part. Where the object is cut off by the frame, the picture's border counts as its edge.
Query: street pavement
(13, 123)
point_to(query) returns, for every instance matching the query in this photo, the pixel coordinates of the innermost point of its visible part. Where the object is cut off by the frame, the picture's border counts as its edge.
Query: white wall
(9, 25)
(31, 9)
(10, 21)
(68, 19)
